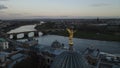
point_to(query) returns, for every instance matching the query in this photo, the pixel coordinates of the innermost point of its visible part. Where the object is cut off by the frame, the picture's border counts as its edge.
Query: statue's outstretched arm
(68, 30)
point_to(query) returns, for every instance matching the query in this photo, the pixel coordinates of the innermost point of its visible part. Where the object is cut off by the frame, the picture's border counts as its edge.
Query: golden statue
(71, 33)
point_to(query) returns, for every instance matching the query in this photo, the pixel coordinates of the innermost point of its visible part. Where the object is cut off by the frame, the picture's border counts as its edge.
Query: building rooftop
(16, 56)
(52, 50)
(69, 59)
(56, 44)
(2, 40)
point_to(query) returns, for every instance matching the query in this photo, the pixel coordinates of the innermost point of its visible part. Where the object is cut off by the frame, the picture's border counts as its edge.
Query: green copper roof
(2, 40)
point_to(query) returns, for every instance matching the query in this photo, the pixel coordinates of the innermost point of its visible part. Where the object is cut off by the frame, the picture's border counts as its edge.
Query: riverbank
(82, 31)
(89, 35)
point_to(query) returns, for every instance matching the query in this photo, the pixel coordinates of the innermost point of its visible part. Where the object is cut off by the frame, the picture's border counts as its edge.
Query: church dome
(69, 59)
(56, 44)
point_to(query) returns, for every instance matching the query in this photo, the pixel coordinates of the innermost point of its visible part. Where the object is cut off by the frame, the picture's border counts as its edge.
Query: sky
(23, 9)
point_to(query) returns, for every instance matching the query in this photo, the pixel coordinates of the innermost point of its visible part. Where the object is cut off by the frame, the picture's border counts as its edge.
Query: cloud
(2, 12)
(3, 0)
(3, 7)
(15, 14)
(100, 5)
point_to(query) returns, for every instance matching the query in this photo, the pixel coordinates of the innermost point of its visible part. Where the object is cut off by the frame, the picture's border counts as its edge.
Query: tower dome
(56, 44)
(69, 59)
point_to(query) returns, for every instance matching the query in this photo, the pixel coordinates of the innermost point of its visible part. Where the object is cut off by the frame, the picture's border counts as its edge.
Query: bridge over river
(24, 32)
(28, 31)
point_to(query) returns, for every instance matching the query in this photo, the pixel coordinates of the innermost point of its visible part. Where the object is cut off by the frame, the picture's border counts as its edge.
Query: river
(79, 44)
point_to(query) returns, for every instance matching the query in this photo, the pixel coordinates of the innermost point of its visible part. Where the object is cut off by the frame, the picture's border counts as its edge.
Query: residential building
(4, 44)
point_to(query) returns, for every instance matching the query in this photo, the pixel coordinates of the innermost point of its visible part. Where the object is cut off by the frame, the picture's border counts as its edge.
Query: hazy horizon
(28, 9)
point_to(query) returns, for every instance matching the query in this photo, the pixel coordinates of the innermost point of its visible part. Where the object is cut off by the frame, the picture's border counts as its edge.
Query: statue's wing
(68, 30)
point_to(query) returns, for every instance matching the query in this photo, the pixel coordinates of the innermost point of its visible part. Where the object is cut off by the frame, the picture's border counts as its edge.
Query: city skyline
(25, 9)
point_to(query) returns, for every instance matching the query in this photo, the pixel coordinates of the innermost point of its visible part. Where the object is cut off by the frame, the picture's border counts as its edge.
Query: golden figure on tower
(71, 33)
